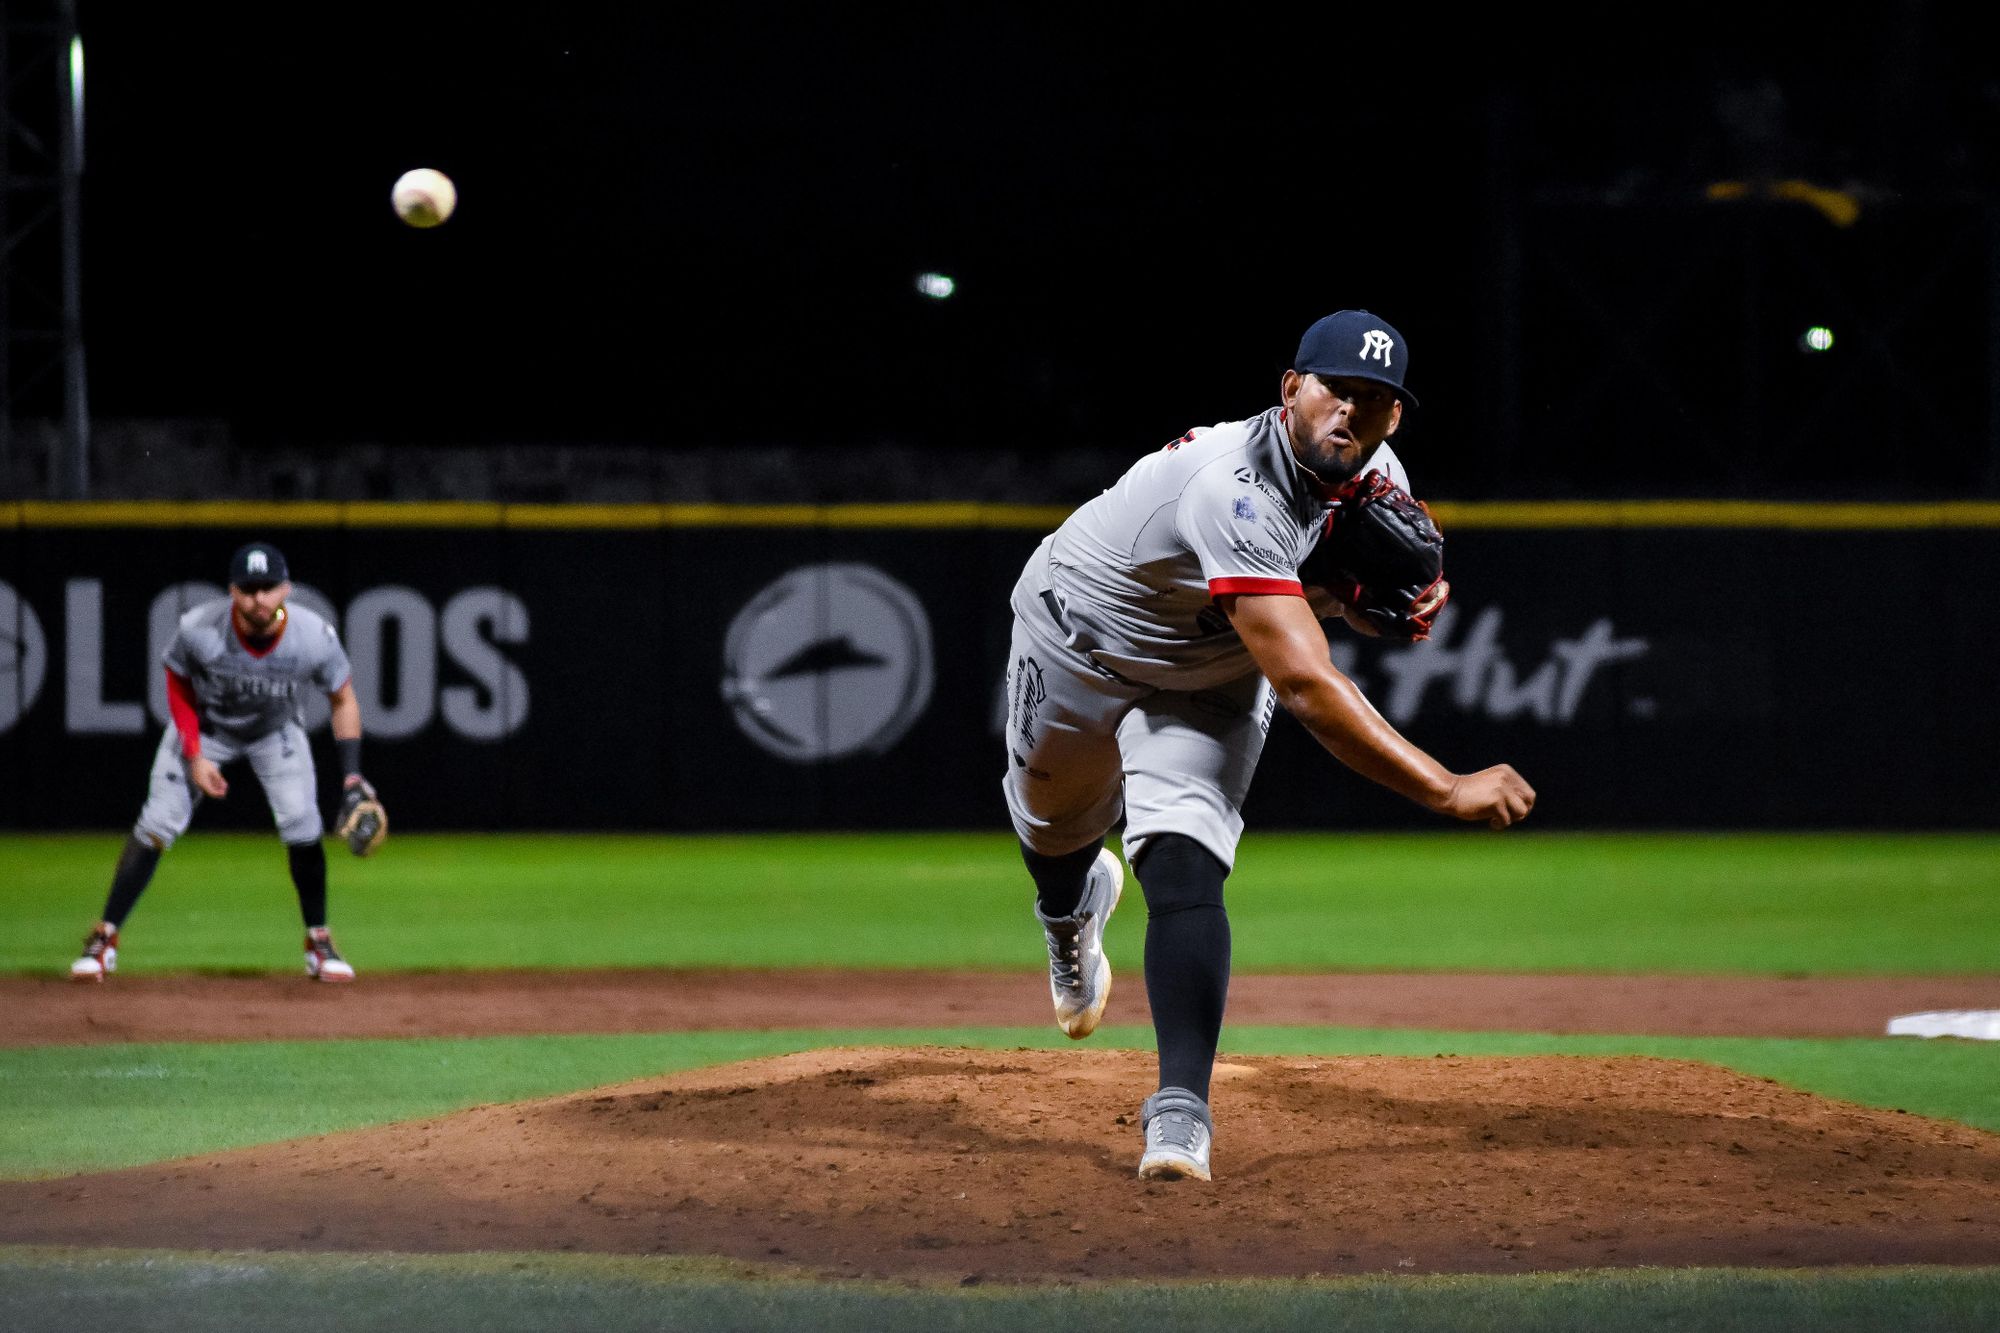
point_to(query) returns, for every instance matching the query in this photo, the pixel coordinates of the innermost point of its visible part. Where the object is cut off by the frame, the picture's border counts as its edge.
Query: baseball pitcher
(1155, 633)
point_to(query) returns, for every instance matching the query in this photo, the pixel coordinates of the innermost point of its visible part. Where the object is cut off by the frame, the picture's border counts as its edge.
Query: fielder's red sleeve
(180, 702)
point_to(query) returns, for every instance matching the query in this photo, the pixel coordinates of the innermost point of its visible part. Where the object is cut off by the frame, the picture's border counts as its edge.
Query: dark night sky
(689, 228)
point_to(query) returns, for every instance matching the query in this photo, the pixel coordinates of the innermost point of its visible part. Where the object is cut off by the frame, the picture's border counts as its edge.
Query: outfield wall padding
(633, 670)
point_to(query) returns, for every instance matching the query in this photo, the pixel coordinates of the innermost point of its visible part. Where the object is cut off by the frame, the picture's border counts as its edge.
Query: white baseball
(423, 197)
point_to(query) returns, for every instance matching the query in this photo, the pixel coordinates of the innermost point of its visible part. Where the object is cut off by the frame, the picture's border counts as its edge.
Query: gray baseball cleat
(1178, 1133)
(1079, 973)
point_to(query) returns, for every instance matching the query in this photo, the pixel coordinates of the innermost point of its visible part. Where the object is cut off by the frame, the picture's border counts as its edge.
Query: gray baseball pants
(1084, 746)
(282, 760)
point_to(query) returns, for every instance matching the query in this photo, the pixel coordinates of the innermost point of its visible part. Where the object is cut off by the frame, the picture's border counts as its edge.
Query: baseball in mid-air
(423, 197)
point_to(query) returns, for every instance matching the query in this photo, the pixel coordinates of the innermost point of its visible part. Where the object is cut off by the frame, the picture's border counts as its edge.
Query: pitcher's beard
(1331, 471)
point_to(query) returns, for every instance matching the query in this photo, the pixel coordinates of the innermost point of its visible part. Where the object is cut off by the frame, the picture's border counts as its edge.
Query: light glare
(1818, 338)
(937, 286)
(76, 95)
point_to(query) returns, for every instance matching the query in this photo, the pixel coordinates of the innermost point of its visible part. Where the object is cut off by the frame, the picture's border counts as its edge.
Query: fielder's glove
(1382, 555)
(363, 821)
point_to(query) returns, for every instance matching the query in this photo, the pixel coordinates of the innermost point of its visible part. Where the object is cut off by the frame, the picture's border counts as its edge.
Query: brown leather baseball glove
(363, 821)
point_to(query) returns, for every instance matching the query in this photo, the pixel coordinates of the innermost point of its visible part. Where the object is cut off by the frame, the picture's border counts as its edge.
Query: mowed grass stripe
(177, 1292)
(1454, 900)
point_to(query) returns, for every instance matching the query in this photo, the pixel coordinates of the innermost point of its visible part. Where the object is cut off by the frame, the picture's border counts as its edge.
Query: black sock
(1187, 956)
(309, 878)
(1059, 879)
(135, 871)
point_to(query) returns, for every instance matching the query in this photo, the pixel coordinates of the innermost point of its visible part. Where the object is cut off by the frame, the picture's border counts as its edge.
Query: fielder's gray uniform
(250, 708)
(1127, 686)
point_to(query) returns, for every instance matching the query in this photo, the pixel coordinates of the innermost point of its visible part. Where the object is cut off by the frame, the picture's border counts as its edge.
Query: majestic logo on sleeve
(830, 660)
(1375, 346)
(1252, 477)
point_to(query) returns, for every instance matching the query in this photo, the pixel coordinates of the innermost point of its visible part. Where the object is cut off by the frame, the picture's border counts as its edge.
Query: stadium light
(1818, 338)
(937, 286)
(76, 91)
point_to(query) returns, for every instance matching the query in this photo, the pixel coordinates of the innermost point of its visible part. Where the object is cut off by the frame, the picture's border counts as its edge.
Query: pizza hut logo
(831, 660)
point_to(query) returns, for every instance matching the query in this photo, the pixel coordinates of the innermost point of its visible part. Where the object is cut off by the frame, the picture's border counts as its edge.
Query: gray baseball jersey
(1129, 693)
(251, 709)
(244, 694)
(1134, 573)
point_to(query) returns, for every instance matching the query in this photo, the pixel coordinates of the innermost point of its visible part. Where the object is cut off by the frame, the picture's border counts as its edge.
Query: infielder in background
(1154, 633)
(234, 671)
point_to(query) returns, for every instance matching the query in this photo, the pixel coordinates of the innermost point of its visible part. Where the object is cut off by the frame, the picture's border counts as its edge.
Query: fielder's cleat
(1079, 973)
(323, 961)
(1178, 1134)
(100, 954)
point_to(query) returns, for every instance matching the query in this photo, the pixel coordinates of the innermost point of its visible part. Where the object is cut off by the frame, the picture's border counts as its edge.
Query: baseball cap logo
(258, 563)
(1375, 346)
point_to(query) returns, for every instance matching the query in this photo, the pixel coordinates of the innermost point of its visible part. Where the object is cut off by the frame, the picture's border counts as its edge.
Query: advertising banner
(648, 671)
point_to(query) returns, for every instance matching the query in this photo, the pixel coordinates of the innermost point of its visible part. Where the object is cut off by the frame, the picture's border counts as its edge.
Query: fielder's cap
(1358, 345)
(259, 562)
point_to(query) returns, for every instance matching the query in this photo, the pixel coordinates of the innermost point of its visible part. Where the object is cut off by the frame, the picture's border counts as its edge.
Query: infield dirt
(51, 1010)
(971, 1164)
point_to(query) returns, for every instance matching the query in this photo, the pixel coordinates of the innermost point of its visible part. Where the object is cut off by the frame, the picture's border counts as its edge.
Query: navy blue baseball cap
(259, 562)
(1358, 345)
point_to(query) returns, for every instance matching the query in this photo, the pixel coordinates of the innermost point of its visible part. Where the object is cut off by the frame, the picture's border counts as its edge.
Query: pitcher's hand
(1498, 795)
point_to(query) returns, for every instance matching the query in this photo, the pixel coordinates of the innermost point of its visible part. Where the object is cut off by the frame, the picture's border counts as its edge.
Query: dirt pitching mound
(1020, 1165)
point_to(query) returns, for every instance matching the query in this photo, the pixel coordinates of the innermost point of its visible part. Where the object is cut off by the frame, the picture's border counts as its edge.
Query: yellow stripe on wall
(1466, 514)
(1713, 514)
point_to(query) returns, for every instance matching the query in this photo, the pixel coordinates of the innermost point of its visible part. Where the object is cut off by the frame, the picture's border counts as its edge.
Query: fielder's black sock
(1059, 879)
(309, 878)
(1187, 956)
(135, 871)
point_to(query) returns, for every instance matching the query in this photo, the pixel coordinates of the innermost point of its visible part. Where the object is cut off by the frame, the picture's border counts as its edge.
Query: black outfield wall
(1693, 666)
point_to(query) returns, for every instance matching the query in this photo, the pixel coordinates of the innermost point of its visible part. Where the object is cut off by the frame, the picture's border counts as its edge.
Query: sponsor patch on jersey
(1246, 510)
(1250, 548)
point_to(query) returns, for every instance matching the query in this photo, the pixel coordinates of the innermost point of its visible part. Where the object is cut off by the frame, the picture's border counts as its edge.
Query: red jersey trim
(187, 721)
(1258, 587)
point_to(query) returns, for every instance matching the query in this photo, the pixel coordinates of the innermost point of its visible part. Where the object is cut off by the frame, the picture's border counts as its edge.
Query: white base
(1978, 1024)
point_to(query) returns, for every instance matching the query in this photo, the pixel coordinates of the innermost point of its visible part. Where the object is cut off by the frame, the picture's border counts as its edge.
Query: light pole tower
(42, 375)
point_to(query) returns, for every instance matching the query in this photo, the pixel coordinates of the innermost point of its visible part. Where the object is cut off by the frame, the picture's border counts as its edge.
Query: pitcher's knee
(1055, 833)
(1178, 874)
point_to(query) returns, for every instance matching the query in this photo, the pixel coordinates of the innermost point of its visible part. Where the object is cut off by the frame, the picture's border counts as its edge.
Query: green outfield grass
(1456, 900)
(164, 1292)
